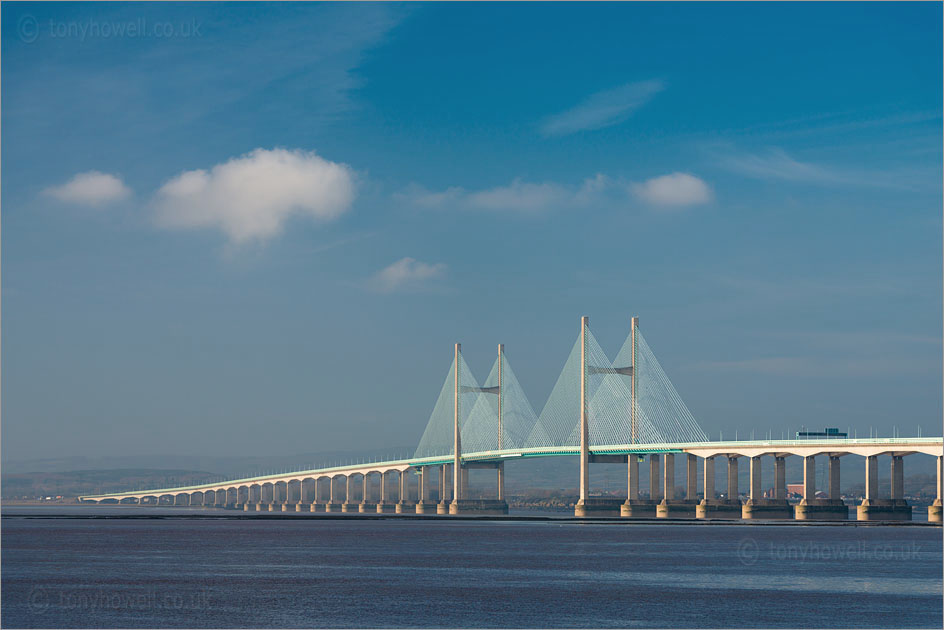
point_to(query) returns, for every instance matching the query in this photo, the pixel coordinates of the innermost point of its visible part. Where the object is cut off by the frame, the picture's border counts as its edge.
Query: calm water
(304, 572)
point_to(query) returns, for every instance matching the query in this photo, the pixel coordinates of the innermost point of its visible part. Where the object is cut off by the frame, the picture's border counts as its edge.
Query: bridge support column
(935, 509)
(584, 506)
(728, 508)
(634, 507)
(759, 507)
(349, 504)
(500, 473)
(670, 507)
(334, 503)
(810, 508)
(894, 508)
(479, 507)
(367, 501)
(260, 504)
(655, 492)
(384, 506)
(405, 504)
(425, 505)
(319, 504)
(287, 504)
(443, 506)
(691, 481)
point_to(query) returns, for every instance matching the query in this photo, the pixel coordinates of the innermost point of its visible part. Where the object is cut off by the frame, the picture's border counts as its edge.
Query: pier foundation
(638, 508)
(677, 508)
(598, 506)
(885, 510)
(821, 510)
(767, 509)
(718, 508)
(935, 512)
(479, 507)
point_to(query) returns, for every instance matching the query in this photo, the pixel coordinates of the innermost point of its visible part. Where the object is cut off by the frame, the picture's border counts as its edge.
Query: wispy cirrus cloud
(91, 188)
(518, 196)
(406, 275)
(524, 197)
(602, 109)
(775, 164)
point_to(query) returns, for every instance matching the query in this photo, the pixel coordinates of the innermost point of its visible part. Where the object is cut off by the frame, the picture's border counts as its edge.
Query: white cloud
(91, 189)
(407, 274)
(676, 189)
(518, 196)
(419, 196)
(252, 196)
(602, 109)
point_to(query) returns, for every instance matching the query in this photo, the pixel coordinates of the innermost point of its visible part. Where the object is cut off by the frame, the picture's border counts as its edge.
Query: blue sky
(260, 228)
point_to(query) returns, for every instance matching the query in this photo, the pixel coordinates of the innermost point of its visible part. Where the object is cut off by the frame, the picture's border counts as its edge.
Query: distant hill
(78, 482)
(229, 466)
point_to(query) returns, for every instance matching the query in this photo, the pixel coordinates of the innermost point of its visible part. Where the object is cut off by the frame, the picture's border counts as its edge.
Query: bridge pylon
(461, 503)
(587, 505)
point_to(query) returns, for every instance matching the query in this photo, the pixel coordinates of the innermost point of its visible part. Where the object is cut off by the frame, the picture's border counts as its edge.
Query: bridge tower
(587, 505)
(460, 502)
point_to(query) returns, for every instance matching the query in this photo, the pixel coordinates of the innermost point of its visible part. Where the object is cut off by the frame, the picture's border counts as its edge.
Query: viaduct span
(621, 411)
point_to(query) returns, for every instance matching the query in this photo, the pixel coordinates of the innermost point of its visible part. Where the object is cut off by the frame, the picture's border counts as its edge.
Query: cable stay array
(497, 414)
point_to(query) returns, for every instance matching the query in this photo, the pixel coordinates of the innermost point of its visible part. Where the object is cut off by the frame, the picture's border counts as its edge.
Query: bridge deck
(742, 448)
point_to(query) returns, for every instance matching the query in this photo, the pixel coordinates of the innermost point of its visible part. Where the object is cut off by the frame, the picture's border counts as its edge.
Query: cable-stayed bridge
(623, 410)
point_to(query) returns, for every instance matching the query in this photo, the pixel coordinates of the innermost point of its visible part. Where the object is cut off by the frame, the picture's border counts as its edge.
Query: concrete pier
(711, 507)
(384, 506)
(424, 505)
(443, 506)
(598, 506)
(583, 508)
(935, 509)
(480, 507)
(670, 507)
(812, 509)
(875, 508)
(759, 507)
(405, 505)
(634, 507)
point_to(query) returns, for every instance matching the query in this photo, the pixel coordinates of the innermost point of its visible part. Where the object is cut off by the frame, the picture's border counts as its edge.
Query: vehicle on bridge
(827, 433)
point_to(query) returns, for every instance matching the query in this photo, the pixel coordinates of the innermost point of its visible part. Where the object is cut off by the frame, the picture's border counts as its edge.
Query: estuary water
(61, 569)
